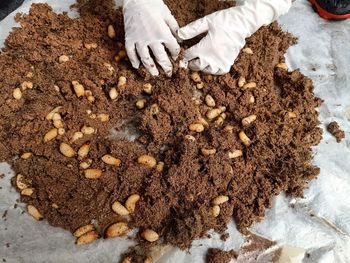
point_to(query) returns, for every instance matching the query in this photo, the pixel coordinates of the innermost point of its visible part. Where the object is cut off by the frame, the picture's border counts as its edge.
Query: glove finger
(195, 51)
(173, 47)
(172, 23)
(162, 58)
(193, 29)
(214, 70)
(131, 51)
(223, 71)
(210, 70)
(146, 59)
(197, 65)
(196, 58)
(192, 59)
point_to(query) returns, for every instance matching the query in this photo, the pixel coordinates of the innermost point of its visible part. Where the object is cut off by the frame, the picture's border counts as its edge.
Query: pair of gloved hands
(150, 27)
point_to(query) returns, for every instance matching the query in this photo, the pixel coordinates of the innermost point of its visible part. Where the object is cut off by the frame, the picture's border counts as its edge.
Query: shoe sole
(325, 14)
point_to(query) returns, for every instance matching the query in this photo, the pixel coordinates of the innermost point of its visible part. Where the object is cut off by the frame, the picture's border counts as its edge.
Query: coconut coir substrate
(71, 65)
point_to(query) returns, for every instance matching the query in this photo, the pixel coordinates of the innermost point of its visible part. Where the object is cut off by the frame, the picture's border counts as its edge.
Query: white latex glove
(149, 25)
(226, 33)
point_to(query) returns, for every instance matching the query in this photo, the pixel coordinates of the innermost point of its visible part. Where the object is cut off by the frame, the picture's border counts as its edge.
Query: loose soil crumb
(257, 243)
(176, 197)
(336, 131)
(259, 249)
(219, 256)
(4, 214)
(225, 236)
(255, 249)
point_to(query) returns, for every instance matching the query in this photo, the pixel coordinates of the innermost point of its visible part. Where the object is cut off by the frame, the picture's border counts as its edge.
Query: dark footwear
(332, 9)
(7, 6)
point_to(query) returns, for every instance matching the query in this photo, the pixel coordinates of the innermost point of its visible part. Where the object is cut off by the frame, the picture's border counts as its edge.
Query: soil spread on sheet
(193, 168)
(336, 131)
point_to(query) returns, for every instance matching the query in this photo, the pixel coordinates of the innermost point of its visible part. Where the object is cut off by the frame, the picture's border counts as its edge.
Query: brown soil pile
(336, 131)
(179, 185)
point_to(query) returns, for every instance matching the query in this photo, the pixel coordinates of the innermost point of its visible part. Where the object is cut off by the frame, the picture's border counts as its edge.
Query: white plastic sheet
(319, 223)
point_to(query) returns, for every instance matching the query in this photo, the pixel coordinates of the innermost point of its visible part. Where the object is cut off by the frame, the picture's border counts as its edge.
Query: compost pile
(186, 154)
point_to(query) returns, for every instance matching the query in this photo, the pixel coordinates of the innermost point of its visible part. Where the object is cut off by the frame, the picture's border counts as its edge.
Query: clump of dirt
(259, 249)
(187, 181)
(336, 131)
(220, 256)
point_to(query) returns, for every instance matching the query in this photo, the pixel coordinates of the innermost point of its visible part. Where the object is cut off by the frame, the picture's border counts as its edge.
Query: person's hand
(149, 25)
(226, 33)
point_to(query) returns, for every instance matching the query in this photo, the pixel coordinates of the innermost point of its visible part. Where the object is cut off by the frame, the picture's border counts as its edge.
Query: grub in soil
(336, 131)
(192, 181)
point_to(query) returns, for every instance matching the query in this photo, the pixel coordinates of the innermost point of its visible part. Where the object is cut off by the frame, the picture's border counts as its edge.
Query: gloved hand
(149, 25)
(226, 33)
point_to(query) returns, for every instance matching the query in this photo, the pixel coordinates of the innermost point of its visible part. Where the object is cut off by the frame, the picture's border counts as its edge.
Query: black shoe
(332, 9)
(7, 6)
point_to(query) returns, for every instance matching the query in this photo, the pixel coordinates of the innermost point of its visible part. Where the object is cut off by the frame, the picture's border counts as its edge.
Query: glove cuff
(282, 6)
